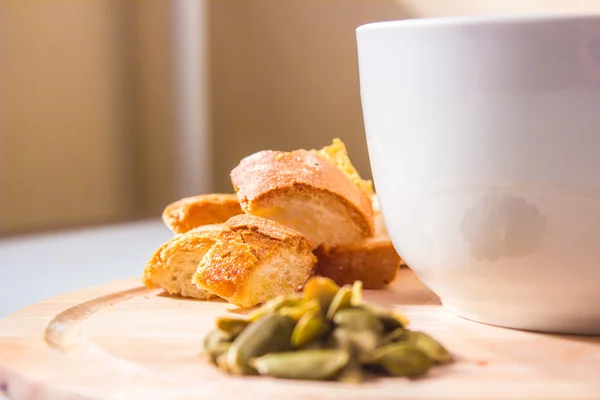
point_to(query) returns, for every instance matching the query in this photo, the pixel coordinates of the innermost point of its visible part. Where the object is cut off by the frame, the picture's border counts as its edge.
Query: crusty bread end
(175, 262)
(192, 212)
(373, 261)
(255, 260)
(304, 191)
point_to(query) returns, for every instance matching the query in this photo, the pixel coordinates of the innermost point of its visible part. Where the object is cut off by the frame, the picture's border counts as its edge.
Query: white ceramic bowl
(484, 139)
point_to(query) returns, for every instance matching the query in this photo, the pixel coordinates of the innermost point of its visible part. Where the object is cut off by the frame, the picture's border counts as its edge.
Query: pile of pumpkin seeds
(324, 333)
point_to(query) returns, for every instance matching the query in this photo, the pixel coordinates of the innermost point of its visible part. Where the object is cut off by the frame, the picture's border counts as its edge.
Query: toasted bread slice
(337, 154)
(304, 191)
(373, 261)
(255, 260)
(192, 212)
(175, 262)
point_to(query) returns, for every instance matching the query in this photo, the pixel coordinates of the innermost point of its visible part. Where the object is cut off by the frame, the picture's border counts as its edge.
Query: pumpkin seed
(403, 359)
(296, 312)
(357, 292)
(315, 345)
(390, 323)
(360, 344)
(310, 327)
(352, 372)
(396, 335)
(365, 342)
(221, 362)
(403, 319)
(356, 319)
(214, 342)
(217, 350)
(390, 319)
(273, 306)
(351, 342)
(340, 301)
(430, 346)
(270, 333)
(233, 326)
(306, 364)
(340, 340)
(322, 289)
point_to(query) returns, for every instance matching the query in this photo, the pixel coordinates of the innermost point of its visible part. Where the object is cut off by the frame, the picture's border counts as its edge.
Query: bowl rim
(500, 19)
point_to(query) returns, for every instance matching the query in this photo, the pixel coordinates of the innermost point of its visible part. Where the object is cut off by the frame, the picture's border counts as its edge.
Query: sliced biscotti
(192, 212)
(255, 260)
(175, 262)
(373, 261)
(304, 191)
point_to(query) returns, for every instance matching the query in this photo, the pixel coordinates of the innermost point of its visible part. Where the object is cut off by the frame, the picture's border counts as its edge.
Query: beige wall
(85, 112)
(285, 72)
(284, 76)
(443, 8)
(61, 128)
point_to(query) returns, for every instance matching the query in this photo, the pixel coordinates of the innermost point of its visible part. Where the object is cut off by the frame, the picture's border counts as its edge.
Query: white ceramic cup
(484, 139)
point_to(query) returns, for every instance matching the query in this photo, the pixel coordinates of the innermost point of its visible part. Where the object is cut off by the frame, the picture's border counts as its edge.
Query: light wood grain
(121, 341)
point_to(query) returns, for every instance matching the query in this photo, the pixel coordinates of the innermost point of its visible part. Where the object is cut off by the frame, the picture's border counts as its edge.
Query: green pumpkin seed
(233, 326)
(365, 342)
(357, 292)
(296, 312)
(273, 306)
(310, 327)
(322, 289)
(217, 350)
(396, 335)
(340, 340)
(403, 359)
(315, 345)
(390, 323)
(306, 364)
(270, 333)
(403, 319)
(340, 301)
(352, 372)
(391, 319)
(430, 346)
(357, 319)
(360, 344)
(353, 343)
(221, 362)
(215, 337)
(216, 343)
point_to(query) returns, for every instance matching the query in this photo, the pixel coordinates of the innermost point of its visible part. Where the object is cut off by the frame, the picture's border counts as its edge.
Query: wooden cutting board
(121, 341)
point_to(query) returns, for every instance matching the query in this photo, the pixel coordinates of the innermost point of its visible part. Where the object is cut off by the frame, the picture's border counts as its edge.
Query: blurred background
(109, 110)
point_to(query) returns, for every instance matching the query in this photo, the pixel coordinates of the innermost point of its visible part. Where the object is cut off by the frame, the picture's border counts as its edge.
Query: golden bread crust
(269, 174)
(192, 212)
(243, 247)
(170, 259)
(373, 261)
(337, 154)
